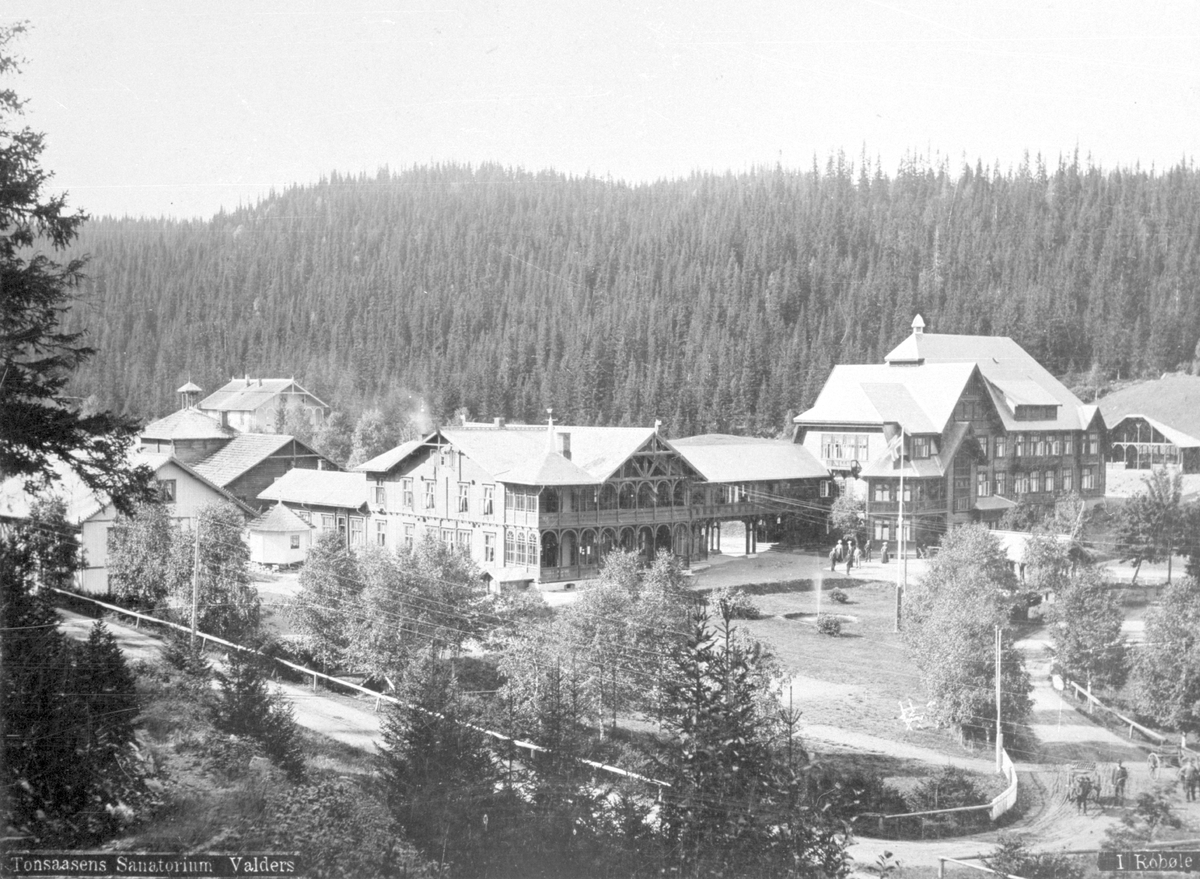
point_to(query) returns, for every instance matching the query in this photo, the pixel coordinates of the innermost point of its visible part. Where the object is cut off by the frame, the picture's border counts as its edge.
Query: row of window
(1033, 482)
(844, 446)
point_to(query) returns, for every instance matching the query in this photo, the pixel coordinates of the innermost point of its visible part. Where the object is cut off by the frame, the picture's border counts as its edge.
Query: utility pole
(901, 562)
(195, 583)
(999, 731)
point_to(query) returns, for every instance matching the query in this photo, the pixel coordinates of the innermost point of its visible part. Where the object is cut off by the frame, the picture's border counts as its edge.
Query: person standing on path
(1119, 779)
(1191, 779)
(833, 558)
(1152, 764)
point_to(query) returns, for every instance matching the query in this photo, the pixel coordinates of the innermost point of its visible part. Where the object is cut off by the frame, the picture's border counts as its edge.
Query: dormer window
(1035, 413)
(920, 446)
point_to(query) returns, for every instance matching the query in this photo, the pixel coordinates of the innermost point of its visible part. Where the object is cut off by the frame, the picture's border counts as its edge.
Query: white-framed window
(881, 492)
(1068, 479)
(920, 446)
(489, 547)
(510, 548)
(407, 486)
(1038, 443)
(326, 522)
(357, 537)
(1035, 481)
(1001, 446)
(883, 529)
(1068, 443)
(462, 541)
(381, 532)
(983, 485)
(1048, 481)
(1056, 444)
(521, 557)
(410, 536)
(1087, 480)
(448, 538)
(380, 496)
(295, 541)
(1001, 483)
(1021, 483)
(166, 491)
(1019, 446)
(825, 487)
(1093, 443)
(489, 500)
(464, 495)
(429, 494)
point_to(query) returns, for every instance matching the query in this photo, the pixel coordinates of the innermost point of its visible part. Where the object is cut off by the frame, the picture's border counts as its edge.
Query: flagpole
(900, 562)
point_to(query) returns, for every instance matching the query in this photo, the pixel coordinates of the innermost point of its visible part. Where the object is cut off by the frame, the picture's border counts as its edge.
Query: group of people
(1085, 787)
(847, 550)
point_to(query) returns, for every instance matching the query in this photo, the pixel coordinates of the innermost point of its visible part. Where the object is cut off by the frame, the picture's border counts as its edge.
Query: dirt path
(339, 717)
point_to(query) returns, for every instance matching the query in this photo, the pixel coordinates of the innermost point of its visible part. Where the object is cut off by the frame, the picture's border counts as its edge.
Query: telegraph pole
(999, 731)
(195, 583)
(902, 561)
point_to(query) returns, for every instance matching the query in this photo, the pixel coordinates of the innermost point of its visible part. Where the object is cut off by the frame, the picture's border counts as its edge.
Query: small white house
(279, 537)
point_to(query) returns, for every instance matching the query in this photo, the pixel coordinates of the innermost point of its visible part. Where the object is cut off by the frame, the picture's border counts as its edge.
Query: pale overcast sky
(181, 108)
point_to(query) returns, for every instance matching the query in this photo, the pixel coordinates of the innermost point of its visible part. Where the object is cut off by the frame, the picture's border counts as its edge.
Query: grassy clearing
(857, 680)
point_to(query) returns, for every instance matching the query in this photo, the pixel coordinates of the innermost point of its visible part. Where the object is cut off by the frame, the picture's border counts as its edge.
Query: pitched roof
(917, 468)
(723, 458)
(186, 424)
(389, 459)
(279, 519)
(525, 454)
(247, 394)
(1013, 376)
(522, 454)
(241, 453)
(320, 488)
(83, 502)
(922, 398)
(1172, 403)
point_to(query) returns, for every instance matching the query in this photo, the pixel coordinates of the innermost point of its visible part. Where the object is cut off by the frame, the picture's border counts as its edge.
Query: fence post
(941, 868)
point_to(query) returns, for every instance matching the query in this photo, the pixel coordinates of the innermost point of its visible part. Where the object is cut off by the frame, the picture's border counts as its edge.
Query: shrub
(838, 595)
(952, 789)
(848, 794)
(827, 624)
(734, 603)
(247, 708)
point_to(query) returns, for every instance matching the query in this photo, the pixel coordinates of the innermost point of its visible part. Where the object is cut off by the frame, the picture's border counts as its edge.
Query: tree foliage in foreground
(71, 776)
(1085, 626)
(1150, 525)
(42, 430)
(737, 802)
(949, 624)
(149, 558)
(1166, 672)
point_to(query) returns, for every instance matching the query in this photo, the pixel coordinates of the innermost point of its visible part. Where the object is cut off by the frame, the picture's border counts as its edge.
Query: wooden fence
(498, 736)
(999, 805)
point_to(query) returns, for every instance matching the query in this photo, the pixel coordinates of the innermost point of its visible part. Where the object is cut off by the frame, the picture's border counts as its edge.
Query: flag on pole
(894, 434)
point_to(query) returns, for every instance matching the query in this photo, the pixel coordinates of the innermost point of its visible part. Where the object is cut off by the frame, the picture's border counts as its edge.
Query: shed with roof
(1155, 423)
(279, 538)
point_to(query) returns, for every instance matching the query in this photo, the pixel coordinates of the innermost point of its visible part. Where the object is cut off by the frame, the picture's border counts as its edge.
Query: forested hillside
(714, 302)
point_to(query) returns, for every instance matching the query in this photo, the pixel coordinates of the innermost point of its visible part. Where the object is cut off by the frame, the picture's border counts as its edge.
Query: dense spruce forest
(716, 302)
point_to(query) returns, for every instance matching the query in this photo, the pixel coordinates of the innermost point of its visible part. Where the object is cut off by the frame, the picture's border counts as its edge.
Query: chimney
(563, 446)
(657, 425)
(498, 423)
(260, 382)
(247, 381)
(224, 418)
(918, 326)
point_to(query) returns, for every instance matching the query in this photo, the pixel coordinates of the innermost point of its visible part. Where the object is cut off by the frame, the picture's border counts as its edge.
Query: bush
(952, 789)
(734, 603)
(827, 624)
(838, 595)
(849, 794)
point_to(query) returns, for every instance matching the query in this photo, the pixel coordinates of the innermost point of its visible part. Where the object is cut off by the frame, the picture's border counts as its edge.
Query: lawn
(856, 680)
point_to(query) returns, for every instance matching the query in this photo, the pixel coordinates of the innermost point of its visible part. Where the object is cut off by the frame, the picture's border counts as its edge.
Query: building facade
(255, 405)
(968, 425)
(545, 504)
(1155, 424)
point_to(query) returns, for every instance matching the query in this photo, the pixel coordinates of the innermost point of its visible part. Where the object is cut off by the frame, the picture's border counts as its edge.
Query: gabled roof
(186, 424)
(279, 519)
(723, 458)
(389, 459)
(525, 454)
(242, 453)
(319, 488)
(921, 468)
(1013, 376)
(1171, 403)
(248, 394)
(922, 398)
(81, 501)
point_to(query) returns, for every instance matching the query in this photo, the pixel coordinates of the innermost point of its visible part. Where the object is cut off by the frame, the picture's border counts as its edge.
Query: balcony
(568, 572)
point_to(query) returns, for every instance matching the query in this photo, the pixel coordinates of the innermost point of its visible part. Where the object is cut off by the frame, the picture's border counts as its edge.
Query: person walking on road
(1152, 764)
(1189, 773)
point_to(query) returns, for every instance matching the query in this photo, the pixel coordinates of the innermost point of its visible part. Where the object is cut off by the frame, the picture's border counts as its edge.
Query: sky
(183, 108)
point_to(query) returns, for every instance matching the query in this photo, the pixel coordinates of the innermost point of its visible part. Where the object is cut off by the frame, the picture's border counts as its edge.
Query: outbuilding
(279, 538)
